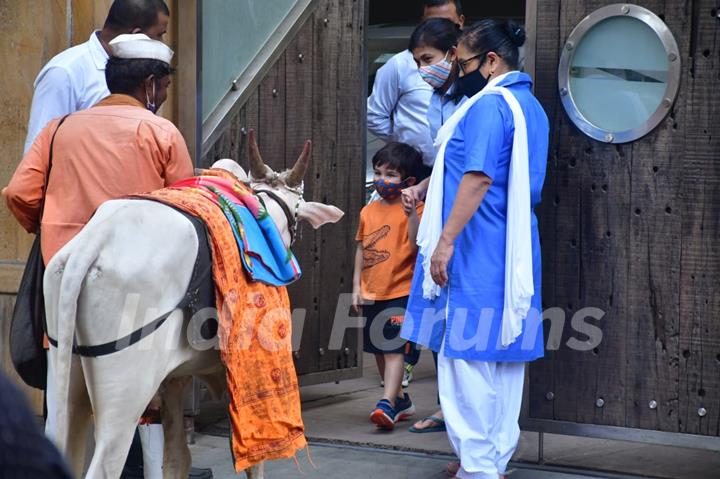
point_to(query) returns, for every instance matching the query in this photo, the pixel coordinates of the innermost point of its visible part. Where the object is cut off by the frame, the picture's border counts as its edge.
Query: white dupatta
(519, 287)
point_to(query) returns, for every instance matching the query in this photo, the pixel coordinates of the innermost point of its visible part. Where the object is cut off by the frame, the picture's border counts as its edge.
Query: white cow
(130, 264)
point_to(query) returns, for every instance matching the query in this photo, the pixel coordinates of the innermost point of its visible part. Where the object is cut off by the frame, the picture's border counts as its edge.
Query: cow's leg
(79, 419)
(112, 443)
(256, 472)
(177, 460)
(119, 394)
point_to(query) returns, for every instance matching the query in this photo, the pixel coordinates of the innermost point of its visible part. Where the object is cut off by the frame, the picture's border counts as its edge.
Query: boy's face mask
(389, 191)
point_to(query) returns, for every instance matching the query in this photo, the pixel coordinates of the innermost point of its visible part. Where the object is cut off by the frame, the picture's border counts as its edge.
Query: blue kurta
(468, 313)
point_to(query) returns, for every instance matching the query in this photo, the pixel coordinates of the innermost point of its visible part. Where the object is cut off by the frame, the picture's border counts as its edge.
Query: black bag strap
(47, 175)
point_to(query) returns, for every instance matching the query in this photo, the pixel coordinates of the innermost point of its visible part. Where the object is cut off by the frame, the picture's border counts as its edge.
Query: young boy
(384, 263)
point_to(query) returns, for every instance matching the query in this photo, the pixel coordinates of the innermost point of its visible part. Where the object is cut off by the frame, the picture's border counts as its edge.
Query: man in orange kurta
(116, 148)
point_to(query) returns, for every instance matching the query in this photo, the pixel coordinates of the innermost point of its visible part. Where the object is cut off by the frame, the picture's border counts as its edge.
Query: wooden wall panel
(318, 97)
(327, 55)
(699, 208)
(299, 102)
(350, 168)
(655, 256)
(632, 229)
(542, 387)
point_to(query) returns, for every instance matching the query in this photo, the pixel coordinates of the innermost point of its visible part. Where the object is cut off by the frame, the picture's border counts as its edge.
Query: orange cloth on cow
(255, 342)
(113, 149)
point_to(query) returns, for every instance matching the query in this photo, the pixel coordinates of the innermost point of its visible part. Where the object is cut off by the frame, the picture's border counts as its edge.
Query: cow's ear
(318, 214)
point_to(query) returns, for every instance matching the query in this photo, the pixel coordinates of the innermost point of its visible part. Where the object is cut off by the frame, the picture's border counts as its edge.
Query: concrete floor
(344, 462)
(345, 444)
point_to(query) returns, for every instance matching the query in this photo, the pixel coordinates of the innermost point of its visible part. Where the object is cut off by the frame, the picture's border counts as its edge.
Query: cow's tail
(77, 266)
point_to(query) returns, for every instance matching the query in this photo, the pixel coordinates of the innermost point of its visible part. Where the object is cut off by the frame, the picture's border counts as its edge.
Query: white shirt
(397, 108)
(72, 80)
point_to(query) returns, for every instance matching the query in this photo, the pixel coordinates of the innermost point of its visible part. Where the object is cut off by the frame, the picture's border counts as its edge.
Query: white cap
(140, 46)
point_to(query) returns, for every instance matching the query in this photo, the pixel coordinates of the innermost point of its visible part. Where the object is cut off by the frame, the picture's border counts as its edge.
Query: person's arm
(413, 226)
(54, 97)
(24, 193)
(383, 100)
(356, 294)
(472, 190)
(179, 165)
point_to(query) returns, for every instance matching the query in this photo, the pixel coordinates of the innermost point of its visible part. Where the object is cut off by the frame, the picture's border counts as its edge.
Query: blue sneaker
(383, 416)
(404, 408)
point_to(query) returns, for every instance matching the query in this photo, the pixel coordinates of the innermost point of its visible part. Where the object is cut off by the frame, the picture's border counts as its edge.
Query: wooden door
(315, 90)
(633, 230)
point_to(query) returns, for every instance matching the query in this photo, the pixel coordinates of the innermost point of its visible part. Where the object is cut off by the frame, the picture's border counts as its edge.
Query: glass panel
(233, 32)
(619, 74)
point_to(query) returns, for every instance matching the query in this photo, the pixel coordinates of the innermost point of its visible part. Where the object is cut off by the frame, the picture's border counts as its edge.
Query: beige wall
(31, 39)
(33, 31)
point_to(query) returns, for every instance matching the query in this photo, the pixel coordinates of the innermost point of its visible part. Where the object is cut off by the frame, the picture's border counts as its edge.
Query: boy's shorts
(381, 334)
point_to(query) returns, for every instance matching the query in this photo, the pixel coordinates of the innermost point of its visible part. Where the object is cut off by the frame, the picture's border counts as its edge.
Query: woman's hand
(440, 260)
(412, 195)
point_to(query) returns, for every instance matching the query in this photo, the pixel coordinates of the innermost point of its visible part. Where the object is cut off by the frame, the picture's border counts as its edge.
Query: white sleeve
(382, 102)
(54, 97)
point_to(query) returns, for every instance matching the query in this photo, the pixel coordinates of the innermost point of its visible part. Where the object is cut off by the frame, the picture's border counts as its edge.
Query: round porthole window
(619, 73)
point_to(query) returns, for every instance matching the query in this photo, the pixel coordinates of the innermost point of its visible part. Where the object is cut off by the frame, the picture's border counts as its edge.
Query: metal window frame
(576, 36)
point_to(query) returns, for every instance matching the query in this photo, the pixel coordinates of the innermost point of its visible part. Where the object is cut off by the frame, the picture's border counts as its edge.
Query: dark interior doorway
(408, 11)
(391, 22)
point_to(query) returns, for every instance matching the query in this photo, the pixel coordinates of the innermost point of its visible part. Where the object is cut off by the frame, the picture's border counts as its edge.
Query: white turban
(140, 46)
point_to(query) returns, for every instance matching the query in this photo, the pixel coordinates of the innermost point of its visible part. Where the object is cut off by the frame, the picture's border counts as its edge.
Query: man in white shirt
(397, 108)
(75, 78)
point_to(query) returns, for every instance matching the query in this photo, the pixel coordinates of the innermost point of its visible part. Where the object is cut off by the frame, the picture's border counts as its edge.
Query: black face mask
(470, 84)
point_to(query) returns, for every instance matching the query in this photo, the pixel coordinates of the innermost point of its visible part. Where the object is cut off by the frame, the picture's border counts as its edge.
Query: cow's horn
(297, 174)
(258, 169)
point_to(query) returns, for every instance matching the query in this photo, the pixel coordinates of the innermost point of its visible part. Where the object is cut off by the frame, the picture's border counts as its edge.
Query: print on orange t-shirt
(388, 255)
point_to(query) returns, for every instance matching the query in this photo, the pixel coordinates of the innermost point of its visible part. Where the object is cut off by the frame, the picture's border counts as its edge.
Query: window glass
(233, 32)
(619, 74)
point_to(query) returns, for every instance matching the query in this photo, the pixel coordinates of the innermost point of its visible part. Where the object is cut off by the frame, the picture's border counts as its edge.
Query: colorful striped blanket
(263, 252)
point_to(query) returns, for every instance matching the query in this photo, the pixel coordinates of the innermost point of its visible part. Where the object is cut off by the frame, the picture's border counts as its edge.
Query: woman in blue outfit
(462, 304)
(433, 45)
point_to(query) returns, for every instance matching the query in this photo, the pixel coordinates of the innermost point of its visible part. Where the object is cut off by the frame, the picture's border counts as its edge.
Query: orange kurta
(113, 149)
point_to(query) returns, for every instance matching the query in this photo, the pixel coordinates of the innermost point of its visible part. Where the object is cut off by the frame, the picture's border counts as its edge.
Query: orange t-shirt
(388, 256)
